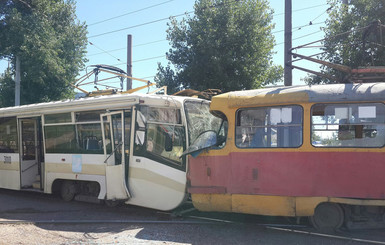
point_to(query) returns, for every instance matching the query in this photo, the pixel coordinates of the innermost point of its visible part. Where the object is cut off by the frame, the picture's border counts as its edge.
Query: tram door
(30, 153)
(113, 141)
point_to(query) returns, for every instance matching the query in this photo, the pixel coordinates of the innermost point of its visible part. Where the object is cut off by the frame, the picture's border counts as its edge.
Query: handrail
(29, 167)
(117, 146)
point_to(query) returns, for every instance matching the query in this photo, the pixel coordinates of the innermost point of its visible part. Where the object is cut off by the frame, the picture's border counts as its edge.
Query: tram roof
(301, 94)
(110, 102)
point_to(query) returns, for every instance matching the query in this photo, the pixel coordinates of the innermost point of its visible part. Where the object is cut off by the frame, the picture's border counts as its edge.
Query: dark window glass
(8, 135)
(90, 138)
(88, 116)
(60, 139)
(79, 138)
(160, 137)
(58, 118)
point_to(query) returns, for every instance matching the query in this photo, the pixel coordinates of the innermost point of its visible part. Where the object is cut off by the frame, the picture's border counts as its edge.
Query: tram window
(8, 135)
(199, 120)
(89, 138)
(165, 141)
(60, 139)
(58, 118)
(269, 127)
(162, 115)
(348, 125)
(88, 116)
(79, 138)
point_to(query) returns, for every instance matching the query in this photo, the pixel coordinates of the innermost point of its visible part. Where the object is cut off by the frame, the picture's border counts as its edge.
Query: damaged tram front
(117, 148)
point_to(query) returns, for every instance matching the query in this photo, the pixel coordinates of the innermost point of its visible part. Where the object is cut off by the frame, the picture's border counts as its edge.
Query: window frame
(75, 124)
(15, 135)
(141, 149)
(223, 124)
(159, 157)
(348, 105)
(301, 125)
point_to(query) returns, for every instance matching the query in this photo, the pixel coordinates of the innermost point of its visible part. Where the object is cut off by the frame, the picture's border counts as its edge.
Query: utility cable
(145, 59)
(132, 12)
(297, 10)
(104, 51)
(158, 20)
(294, 28)
(139, 25)
(299, 37)
(137, 45)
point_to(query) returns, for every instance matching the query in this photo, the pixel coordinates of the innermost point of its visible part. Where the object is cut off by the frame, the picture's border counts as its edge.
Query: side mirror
(168, 142)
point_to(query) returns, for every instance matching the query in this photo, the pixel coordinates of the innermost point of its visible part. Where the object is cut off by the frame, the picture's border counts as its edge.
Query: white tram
(115, 148)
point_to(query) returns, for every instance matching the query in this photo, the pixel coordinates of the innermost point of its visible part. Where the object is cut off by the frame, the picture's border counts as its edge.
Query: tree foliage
(51, 45)
(227, 44)
(353, 36)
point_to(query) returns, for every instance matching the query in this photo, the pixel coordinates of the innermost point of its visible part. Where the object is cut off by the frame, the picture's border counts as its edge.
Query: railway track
(299, 229)
(331, 236)
(16, 215)
(199, 220)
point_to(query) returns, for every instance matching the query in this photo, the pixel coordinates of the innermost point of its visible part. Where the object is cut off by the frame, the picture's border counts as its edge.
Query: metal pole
(129, 61)
(288, 45)
(17, 82)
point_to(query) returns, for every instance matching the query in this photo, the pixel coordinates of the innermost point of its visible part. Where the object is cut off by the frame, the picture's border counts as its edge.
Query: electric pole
(129, 61)
(288, 76)
(17, 82)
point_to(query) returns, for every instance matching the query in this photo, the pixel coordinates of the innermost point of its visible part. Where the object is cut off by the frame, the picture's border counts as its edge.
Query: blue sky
(110, 22)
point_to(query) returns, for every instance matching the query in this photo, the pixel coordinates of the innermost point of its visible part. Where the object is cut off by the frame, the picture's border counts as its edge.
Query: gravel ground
(33, 218)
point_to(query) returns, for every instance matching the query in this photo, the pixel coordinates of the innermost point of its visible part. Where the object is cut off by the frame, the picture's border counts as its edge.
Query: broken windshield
(199, 119)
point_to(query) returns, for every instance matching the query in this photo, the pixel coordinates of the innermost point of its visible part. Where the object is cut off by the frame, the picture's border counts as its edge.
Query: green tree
(51, 44)
(352, 36)
(6, 85)
(227, 44)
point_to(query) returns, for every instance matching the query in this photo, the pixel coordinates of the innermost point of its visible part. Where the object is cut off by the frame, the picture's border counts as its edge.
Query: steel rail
(289, 228)
(206, 221)
(103, 221)
(326, 235)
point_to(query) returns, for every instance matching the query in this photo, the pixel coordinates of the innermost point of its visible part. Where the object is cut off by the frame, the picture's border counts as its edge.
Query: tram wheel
(328, 217)
(68, 191)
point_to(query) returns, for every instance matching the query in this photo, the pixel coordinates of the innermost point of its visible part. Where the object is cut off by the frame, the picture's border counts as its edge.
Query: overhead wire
(104, 51)
(158, 20)
(139, 25)
(307, 25)
(321, 14)
(294, 28)
(310, 24)
(297, 10)
(113, 50)
(145, 59)
(137, 45)
(163, 19)
(132, 12)
(157, 41)
(306, 35)
(300, 37)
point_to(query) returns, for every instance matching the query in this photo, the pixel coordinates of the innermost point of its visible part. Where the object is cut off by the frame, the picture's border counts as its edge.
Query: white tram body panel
(121, 171)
